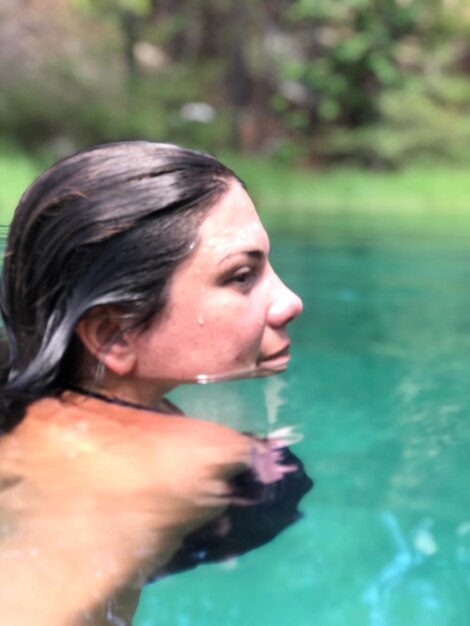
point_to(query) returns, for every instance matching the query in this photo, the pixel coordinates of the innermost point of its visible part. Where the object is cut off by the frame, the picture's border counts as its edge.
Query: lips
(280, 354)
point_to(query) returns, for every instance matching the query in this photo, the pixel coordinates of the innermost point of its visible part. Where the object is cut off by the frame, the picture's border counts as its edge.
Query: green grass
(432, 200)
(418, 190)
(434, 197)
(17, 171)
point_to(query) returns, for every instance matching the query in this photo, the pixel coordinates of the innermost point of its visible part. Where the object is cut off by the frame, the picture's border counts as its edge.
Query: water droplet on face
(200, 319)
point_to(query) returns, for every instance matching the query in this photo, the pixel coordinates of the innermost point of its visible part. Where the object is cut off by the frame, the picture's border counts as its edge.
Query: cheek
(233, 314)
(226, 336)
(214, 334)
(234, 331)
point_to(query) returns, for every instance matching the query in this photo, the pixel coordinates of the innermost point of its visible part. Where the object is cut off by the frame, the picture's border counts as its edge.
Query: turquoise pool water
(379, 387)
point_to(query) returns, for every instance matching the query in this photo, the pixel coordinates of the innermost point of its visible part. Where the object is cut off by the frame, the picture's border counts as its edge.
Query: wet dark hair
(106, 226)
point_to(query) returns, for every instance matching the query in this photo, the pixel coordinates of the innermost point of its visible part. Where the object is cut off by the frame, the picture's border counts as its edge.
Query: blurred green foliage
(385, 79)
(423, 121)
(297, 199)
(380, 83)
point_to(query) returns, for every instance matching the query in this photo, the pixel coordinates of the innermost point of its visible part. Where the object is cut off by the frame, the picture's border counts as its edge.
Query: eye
(243, 277)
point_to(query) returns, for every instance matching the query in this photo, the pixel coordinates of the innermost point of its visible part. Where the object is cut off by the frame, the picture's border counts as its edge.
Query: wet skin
(227, 313)
(96, 497)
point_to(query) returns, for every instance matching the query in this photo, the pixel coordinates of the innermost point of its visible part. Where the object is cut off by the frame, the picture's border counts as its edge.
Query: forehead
(233, 222)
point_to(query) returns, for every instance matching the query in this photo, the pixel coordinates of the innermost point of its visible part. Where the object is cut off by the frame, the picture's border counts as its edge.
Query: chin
(271, 369)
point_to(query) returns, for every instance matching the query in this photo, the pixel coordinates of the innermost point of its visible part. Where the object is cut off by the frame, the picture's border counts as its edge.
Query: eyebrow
(259, 255)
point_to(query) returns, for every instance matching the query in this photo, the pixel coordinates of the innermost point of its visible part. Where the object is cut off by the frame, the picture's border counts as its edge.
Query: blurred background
(349, 121)
(351, 105)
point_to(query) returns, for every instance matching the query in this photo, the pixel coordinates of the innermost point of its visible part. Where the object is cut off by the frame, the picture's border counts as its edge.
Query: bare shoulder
(152, 478)
(135, 446)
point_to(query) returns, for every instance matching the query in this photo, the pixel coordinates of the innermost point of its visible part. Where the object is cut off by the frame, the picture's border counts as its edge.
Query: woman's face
(228, 310)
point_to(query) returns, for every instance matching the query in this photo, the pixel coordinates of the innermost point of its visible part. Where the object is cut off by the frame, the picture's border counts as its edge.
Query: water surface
(379, 386)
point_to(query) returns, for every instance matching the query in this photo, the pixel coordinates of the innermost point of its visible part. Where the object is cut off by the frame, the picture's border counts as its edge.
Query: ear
(102, 333)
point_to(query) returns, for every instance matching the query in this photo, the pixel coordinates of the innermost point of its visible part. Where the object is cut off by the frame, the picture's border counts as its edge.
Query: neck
(140, 394)
(107, 398)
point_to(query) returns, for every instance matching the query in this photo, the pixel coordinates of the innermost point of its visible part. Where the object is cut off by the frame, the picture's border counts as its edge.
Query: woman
(130, 268)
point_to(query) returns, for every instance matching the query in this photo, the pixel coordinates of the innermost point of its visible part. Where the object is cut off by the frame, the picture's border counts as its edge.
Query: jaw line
(258, 371)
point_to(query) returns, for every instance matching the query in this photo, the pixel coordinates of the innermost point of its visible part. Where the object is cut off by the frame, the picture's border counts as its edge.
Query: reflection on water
(99, 497)
(379, 386)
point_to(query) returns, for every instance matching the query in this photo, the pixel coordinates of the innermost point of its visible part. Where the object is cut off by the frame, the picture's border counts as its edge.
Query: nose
(285, 306)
